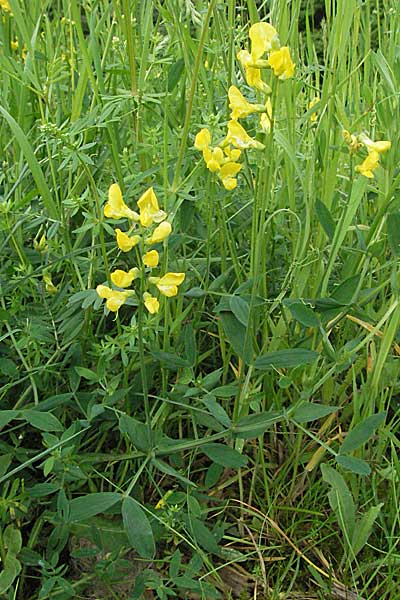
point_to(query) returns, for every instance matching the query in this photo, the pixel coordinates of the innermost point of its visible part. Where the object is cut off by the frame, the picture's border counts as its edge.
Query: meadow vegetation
(199, 299)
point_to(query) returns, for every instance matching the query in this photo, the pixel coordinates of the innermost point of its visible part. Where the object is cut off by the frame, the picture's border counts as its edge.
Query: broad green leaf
(353, 464)
(341, 501)
(190, 344)
(286, 358)
(225, 391)
(138, 528)
(364, 528)
(44, 421)
(346, 291)
(87, 373)
(169, 360)
(224, 455)
(325, 218)
(203, 536)
(254, 425)
(240, 309)
(12, 539)
(175, 72)
(236, 334)
(168, 470)
(6, 416)
(362, 432)
(217, 411)
(303, 314)
(136, 431)
(84, 507)
(11, 568)
(309, 411)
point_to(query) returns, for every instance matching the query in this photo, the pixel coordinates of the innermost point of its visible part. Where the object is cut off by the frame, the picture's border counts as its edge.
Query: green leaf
(235, 333)
(44, 421)
(355, 465)
(254, 425)
(84, 507)
(11, 569)
(138, 528)
(309, 411)
(240, 309)
(169, 360)
(362, 432)
(87, 373)
(224, 455)
(12, 539)
(364, 528)
(168, 470)
(190, 344)
(325, 218)
(6, 416)
(341, 501)
(203, 536)
(303, 314)
(393, 231)
(286, 358)
(217, 411)
(225, 391)
(136, 431)
(175, 72)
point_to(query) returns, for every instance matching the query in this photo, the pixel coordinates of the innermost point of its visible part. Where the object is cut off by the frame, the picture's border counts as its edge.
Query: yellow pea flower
(4, 4)
(213, 157)
(202, 139)
(150, 259)
(233, 154)
(238, 137)
(50, 287)
(281, 63)
(351, 141)
(124, 279)
(369, 165)
(126, 242)
(151, 303)
(266, 117)
(168, 284)
(263, 38)
(116, 208)
(239, 105)
(14, 45)
(381, 147)
(310, 105)
(160, 233)
(149, 209)
(115, 299)
(253, 73)
(227, 175)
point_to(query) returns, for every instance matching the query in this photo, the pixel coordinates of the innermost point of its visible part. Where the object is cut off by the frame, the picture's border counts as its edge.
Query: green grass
(301, 259)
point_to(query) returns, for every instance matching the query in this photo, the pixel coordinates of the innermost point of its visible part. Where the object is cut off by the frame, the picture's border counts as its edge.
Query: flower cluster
(374, 150)
(149, 215)
(223, 159)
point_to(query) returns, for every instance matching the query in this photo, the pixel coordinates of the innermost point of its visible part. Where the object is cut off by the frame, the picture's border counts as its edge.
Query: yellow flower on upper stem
(253, 73)
(213, 157)
(281, 63)
(151, 303)
(149, 209)
(369, 165)
(115, 299)
(126, 242)
(202, 139)
(239, 105)
(238, 137)
(160, 233)
(381, 147)
(116, 208)
(233, 154)
(14, 45)
(227, 174)
(263, 38)
(124, 279)
(168, 284)
(150, 259)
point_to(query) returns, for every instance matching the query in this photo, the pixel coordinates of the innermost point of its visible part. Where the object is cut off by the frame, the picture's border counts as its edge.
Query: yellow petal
(262, 36)
(229, 169)
(49, 285)
(116, 208)
(238, 137)
(381, 146)
(229, 183)
(281, 63)
(150, 259)
(168, 284)
(124, 279)
(160, 233)
(151, 303)
(202, 139)
(104, 291)
(149, 209)
(126, 242)
(239, 105)
(369, 165)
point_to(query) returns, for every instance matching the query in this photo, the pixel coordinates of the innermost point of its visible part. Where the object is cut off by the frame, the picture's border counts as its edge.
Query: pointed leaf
(138, 528)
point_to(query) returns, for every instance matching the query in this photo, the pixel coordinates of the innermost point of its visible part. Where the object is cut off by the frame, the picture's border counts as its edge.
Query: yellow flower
(151, 303)
(126, 242)
(281, 63)
(115, 299)
(238, 137)
(310, 105)
(213, 157)
(149, 209)
(168, 284)
(150, 259)
(380, 147)
(266, 117)
(227, 174)
(14, 45)
(351, 140)
(239, 105)
(50, 287)
(369, 165)
(4, 4)
(116, 208)
(233, 154)
(160, 233)
(124, 279)
(263, 38)
(253, 73)
(202, 139)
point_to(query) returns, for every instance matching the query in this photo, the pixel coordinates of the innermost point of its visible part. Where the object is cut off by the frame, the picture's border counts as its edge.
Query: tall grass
(247, 448)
